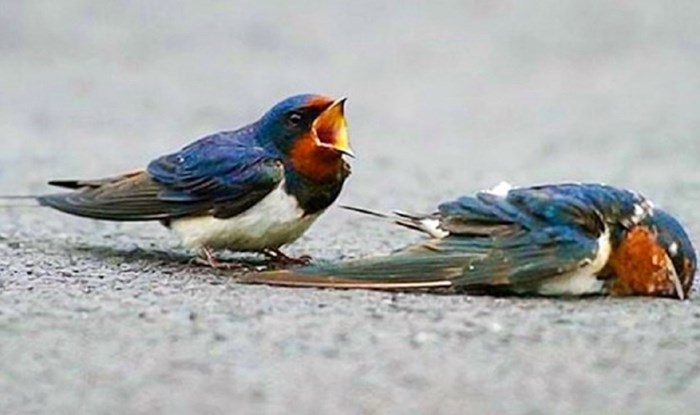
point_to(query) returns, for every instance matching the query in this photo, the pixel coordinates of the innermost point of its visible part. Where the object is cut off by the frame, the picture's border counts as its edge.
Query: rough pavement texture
(443, 99)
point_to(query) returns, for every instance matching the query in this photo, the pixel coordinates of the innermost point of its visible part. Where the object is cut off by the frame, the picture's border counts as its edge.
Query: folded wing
(495, 244)
(221, 180)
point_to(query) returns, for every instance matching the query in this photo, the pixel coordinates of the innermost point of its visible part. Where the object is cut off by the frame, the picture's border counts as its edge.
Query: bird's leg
(208, 259)
(281, 258)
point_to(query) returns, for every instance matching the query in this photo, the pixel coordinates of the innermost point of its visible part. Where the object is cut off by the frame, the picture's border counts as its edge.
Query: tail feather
(130, 197)
(429, 224)
(18, 201)
(404, 271)
(80, 204)
(290, 278)
(365, 211)
(67, 184)
(96, 183)
(18, 197)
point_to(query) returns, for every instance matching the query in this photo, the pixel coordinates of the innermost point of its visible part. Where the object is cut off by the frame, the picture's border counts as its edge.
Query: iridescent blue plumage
(565, 239)
(222, 170)
(269, 180)
(537, 206)
(247, 163)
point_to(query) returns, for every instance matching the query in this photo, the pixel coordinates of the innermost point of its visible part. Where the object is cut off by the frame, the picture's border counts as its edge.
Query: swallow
(549, 240)
(253, 189)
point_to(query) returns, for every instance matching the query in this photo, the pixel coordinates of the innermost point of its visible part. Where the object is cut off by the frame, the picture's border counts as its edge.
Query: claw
(208, 259)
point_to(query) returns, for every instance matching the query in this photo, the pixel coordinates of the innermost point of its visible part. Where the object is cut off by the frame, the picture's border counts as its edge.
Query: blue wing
(222, 175)
(226, 176)
(495, 244)
(585, 206)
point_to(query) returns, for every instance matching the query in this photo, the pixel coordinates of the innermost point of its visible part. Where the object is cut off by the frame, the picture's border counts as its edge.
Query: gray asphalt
(444, 98)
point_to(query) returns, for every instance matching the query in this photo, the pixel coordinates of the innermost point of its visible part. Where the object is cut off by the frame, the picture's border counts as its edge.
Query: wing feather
(470, 264)
(218, 177)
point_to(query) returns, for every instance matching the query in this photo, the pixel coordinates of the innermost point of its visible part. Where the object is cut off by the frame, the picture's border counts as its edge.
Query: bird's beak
(331, 129)
(675, 279)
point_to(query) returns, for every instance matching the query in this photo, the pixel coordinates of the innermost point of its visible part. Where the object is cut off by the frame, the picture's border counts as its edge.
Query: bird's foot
(280, 258)
(208, 259)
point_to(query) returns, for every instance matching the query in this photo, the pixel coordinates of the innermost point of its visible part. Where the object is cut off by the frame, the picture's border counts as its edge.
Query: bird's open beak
(331, 129)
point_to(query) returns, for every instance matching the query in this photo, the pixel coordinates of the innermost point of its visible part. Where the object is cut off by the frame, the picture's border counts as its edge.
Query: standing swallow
(551, 240)
(253, 189)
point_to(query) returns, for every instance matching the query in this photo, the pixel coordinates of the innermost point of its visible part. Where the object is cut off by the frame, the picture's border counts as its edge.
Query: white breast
(274, 221)
(582, 281)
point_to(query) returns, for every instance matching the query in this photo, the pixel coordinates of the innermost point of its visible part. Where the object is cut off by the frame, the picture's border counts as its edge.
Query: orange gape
(639, 265)
(320, 164)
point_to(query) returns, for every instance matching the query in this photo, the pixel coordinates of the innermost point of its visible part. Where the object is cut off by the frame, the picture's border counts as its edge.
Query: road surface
(444, 99)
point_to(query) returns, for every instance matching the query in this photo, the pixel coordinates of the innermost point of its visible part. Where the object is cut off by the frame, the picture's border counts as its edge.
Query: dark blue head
(315, 119)
(671, 236)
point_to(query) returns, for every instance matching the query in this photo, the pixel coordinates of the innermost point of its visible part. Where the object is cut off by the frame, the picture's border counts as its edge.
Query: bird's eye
(294, 118)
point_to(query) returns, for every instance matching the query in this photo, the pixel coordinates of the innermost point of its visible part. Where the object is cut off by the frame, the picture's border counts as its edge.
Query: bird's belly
(275, 221)
(584, 280)
(581, 282)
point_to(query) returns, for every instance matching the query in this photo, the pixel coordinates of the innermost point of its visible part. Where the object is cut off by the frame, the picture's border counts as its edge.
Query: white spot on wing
(501, 189)
(639, 213)
(643, 209)
(432, 226)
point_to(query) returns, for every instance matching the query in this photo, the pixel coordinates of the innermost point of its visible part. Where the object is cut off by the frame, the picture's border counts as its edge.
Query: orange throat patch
(317, 163)
(640, 266)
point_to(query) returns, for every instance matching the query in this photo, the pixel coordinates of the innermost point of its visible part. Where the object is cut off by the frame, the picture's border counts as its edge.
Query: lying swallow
(253, 189)
(552, 240)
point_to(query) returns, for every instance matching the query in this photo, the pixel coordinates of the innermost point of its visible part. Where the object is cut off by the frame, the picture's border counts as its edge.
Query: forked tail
(429, 224)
